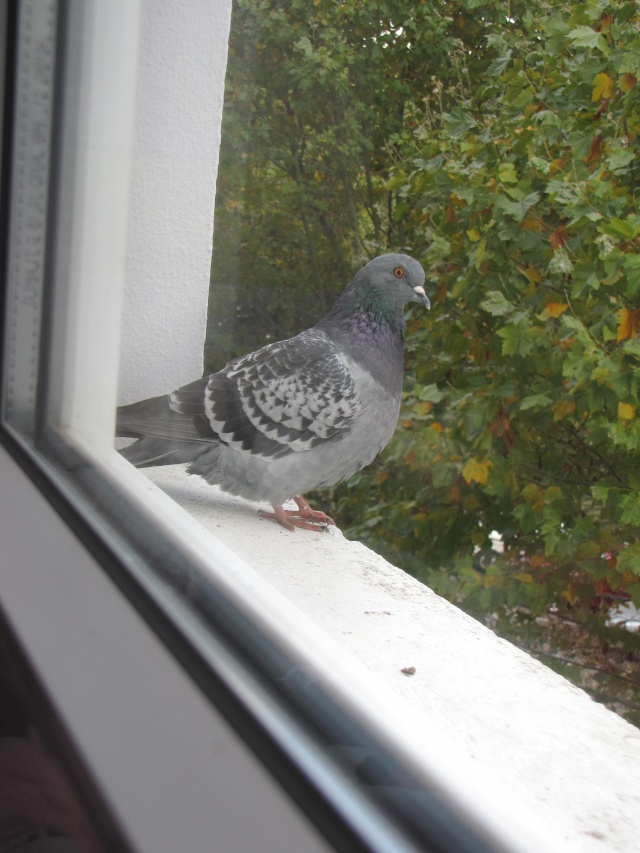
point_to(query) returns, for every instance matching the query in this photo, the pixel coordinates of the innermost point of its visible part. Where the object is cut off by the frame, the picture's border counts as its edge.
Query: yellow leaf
(530, 223)
(556, 165)
(437, 427)
(602, 87)
(525, 577)
(551, 494)
(554, 309)
(627, 82)
(380, 477)
(626, 411)
(563, 408)
(569, 594)
(422, 407)
(536, 561)
(531, 493)
(473, 234)
(628, 323)
(477, 471)
(531, 273)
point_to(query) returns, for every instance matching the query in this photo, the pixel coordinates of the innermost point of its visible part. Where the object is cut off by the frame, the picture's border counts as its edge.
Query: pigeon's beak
(421, 296)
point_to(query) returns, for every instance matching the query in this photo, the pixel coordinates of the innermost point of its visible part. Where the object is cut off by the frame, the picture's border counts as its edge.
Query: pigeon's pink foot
(304, 516)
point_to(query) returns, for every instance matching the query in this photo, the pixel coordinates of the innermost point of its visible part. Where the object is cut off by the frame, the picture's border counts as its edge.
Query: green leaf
(458, 123)
(497, 305)
(430, 394)
(514, 340)
(499, 65)
(631, 266)
(629, 561)
(465, 194)
(517, 209)
(634, 588)
(586, 37)
(535, 401)
(560, 264)
(620, 158)
(628, 227)
(630, 509)
(507, 173)
(632, 347)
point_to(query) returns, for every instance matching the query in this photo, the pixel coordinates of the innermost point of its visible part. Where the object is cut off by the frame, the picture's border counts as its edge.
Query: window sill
(572, 762)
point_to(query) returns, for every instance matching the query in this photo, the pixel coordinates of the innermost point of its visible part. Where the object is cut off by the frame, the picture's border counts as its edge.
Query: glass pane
(331, 745)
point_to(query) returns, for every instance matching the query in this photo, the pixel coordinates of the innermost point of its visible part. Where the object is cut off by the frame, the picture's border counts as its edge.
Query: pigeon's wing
(287, 397)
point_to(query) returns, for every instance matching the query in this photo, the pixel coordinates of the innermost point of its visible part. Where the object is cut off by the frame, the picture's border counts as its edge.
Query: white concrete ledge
(570, 761)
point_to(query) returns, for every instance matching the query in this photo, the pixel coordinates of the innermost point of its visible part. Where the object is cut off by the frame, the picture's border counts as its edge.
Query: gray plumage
(295, 415)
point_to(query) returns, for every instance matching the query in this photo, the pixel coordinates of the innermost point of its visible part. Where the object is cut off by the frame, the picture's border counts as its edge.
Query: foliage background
(499, 146)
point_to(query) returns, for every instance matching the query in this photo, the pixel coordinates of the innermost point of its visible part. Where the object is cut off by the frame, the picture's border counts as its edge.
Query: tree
(500, 148)
(316, 111)
(525, 380)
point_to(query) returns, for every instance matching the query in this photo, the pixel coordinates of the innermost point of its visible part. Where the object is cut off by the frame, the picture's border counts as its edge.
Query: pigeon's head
(374, 300)
(391, 281)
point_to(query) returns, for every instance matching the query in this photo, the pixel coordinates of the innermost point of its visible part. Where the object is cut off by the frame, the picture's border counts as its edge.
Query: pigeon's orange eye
(398, 272)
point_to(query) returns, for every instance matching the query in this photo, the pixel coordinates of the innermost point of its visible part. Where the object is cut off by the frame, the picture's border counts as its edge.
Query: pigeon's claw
(304, 516)
(305, 511)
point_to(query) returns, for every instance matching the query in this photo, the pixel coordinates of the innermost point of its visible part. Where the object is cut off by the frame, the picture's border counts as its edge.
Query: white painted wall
(180, 87)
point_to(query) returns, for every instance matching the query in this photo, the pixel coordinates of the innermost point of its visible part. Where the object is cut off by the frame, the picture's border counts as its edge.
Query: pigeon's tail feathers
(171, 429)
(164, 417)
(150, 452)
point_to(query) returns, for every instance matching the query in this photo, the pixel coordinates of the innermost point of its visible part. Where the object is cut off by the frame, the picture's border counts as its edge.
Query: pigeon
(297, 414)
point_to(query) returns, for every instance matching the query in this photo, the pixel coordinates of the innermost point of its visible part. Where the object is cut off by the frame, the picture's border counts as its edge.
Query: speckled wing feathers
(288, 396)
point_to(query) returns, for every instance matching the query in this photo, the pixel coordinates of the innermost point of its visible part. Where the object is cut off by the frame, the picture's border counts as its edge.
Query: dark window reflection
(48, 804)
